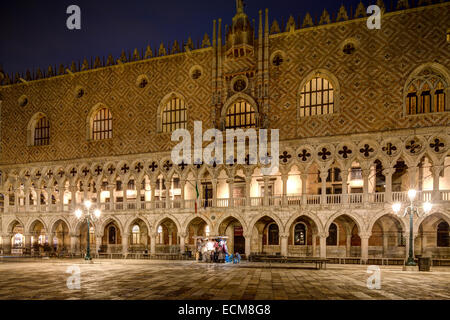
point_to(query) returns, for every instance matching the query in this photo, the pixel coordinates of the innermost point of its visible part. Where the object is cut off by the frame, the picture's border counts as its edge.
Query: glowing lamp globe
(97, 213)
(397, 207)
(78, 213)
(427, 207)
(412, 194)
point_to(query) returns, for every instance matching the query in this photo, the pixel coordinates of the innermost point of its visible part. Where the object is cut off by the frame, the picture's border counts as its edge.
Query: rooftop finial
(239, 6)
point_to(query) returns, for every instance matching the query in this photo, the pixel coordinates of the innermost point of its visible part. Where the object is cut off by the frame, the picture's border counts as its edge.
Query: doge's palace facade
(363, 117)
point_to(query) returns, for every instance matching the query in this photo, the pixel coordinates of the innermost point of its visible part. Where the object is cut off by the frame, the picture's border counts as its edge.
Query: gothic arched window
(443, 235)
(300, 234)
(174, 115)
(273, 235)
(317, 97)
(136, 231)
(42, 132)
(240, 115)
(102, 125)
(332, 235)
(426, 93)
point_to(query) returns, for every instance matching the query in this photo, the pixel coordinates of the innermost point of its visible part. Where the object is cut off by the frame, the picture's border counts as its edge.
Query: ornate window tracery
(174, 115)
(426, 93)
(42, 132)
(102, 125)
(240, 115)
(317, 97)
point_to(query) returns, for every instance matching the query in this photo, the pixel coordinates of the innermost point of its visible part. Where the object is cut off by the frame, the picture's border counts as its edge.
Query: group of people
(215, 251)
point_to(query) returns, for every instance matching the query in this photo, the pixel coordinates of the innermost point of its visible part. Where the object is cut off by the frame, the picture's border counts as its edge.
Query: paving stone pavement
(187, 280)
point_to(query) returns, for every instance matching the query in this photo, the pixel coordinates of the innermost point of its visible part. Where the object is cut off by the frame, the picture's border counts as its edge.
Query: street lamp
(90, 217)
(411, 210)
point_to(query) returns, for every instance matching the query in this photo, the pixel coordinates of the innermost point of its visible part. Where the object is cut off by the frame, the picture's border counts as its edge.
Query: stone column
(345, 185)
(406, 235)
(27, 192)
(364, 247)
(284, 245)
(183, 186)
(16, 200)
(112, 199)
(365, 174)
(6, 243)
(27, 241)
(260, 242)
(436, 170)
(348, 245)
(284, 179)
(73, 244)
(49, 198)
(98, 242)
(6, 203)
(266, 191)
(125, 239)
(388, 190)
(230, 192)
(385, 244)
(214, 192)
(153, 239)
(314, 244)
(323, 245)
(153, 193)
(61, 197)
(324, 176)
(248, 184)
(182, 242)
(304, 177)
(73, 195)
(248, 242)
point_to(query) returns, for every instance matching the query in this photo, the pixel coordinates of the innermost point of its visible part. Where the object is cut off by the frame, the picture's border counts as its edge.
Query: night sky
(34, 34)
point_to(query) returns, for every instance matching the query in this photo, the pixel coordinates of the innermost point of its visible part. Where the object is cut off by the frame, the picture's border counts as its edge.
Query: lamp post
(90, 217)
(411, 210)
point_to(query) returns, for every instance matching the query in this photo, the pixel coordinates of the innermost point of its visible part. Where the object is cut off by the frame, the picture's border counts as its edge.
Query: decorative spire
(28, 75)
(39, 74)
(50, 71)
(206, 42)
(380, 3)
(162, 50)
(61, 70)
(85, 65)
(325, 18)
(148, 53)
(275, 28)
(6, 81)
(360, 11)
(342, 14)
(110, 61)
(190, 43)
(308, 21)
(97, 63)
(421, 2)
(239, 6)
(290, 25)
(73, 67)
(136, 55)
(17, 78)
(175, 47)
(402, 4)
(123, 57)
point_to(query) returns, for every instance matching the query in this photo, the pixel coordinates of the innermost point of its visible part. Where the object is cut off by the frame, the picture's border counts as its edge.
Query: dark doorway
(239, 240)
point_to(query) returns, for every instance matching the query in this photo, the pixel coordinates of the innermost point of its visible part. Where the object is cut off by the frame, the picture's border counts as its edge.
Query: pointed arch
(250, 108)
(329, 85)
(173, 104)
(38, 130)
(100, 114)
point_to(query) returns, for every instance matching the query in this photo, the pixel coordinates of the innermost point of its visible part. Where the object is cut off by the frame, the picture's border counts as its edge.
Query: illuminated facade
(363, 116)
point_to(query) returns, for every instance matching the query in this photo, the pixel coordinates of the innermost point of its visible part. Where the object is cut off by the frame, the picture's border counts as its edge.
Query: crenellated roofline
(326, 20)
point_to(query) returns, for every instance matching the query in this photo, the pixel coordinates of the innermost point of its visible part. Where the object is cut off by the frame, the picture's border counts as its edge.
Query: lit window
(42, 132)
(317, 98)
(136, 234)
(102, 125)
(426, 94)
(300, 235)
(174, 115)
(273, 235)
(240, 115)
